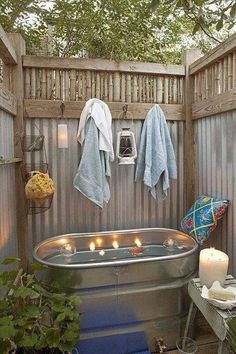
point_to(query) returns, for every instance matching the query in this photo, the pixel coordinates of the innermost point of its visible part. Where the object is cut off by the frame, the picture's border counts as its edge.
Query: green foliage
(231, 333)
(205, 13)
(35, 317)
(120, 30)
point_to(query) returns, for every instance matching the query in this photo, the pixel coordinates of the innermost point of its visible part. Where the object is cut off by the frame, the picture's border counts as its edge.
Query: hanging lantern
(126, 147)
(62, 131)
(62, 136)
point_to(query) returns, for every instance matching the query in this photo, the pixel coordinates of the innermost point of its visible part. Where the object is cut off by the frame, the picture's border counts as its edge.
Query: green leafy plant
(34, 319)
(231, 333)
(119, 30)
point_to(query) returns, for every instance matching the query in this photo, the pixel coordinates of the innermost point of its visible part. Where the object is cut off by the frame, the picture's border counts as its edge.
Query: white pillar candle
(213, 265)
(62, 135)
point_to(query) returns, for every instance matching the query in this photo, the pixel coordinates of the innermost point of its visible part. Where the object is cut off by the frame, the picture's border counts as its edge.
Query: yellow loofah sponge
(39, 187)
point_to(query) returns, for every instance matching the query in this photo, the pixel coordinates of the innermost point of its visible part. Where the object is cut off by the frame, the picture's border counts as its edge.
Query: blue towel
(94, 168)
(156, 162)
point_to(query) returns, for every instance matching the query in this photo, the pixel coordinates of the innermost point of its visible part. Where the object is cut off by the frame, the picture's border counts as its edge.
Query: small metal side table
(214, 316)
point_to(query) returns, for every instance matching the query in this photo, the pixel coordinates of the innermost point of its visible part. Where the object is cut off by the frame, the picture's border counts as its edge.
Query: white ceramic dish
(223, 305)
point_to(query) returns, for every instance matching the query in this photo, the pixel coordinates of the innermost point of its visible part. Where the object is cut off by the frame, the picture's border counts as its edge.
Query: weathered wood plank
(190, 55)
(229, 45)
(102, 65)
(51, 109)
(7, 52)
(8, 101)
(17, 88)
(10, 161)
(217, 104)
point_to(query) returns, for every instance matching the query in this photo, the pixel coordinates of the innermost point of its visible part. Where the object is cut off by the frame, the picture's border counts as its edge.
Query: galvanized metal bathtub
(132, 284)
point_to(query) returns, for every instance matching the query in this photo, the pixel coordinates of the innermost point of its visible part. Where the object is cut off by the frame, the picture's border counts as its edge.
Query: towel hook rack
(125, 110)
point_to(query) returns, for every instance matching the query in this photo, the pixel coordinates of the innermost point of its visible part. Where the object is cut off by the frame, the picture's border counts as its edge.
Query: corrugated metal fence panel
(8, 241)
(130, 205)
(216, 173)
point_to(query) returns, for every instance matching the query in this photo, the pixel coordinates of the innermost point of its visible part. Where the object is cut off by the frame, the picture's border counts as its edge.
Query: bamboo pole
(110, 88)
(102, 85)
(66, 86)
(43, 84)
(57, 85)
(180, 92)
(199, 88)
(106, 86)
(128, 88)
(98, 95)
(49, 84)
(84, 84)
(159, 89)
(154, 89)
(140, 89)
(234, 69)
(88, 85)
(79, 85)
(230, 72)
(72, 85)
(123, 88)
(135, 89)
(147, 88)
(225, 74)
(174, 95)
(93, 85)
(33, 84)
(27, 83)
(38, 83)
(117, 86)
(166, 89)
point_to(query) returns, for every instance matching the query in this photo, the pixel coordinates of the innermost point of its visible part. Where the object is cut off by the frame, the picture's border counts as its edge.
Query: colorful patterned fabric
(202, 217)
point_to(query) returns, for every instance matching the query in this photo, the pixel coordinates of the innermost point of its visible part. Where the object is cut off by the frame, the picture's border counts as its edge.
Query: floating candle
(92, 246)
(99, 242)
(138, 242)
(68, 250)
(213, 265)
(115, 244)
(136, 250)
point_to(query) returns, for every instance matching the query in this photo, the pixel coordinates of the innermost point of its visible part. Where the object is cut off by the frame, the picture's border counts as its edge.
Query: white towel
(95, 135)
(101, 115)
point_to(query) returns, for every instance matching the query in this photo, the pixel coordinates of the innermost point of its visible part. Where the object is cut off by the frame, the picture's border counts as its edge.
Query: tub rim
(116, 262)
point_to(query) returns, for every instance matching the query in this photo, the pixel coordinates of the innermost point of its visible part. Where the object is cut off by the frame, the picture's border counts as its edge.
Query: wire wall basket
(32, 143)
(35, 207)
(29, 168)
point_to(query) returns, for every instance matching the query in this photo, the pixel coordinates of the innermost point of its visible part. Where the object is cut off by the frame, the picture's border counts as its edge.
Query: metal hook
(62, 108)
(125, 110)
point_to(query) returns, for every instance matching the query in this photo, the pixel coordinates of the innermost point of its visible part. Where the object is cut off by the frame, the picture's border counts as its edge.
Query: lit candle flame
(99, 242)
(115, 244)
(68, 250)
(138, 242)
(67, 247)
(92, 246)
(102, 252)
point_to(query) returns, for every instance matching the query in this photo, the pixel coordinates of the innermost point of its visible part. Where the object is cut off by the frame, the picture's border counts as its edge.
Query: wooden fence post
(17, 88)
(189, 56)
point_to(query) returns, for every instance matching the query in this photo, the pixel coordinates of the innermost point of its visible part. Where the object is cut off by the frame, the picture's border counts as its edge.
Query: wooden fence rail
(214, 80)
(79, 79)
